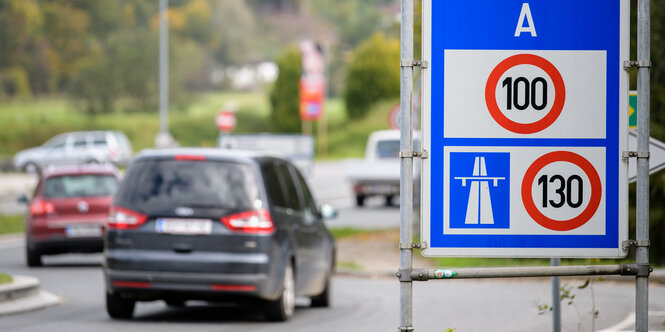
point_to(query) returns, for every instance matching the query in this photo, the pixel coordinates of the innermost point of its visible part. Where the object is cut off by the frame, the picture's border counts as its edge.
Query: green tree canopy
(372, 75)
(285, 94)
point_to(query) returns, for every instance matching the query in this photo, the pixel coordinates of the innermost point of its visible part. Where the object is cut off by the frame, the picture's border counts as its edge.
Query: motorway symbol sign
(525, 121)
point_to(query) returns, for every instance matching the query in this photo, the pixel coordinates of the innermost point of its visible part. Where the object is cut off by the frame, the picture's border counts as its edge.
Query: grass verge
(5, 278)
(11, 224)
(346, 232)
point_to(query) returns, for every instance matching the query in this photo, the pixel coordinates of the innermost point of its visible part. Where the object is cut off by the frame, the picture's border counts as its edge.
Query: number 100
(521, 85)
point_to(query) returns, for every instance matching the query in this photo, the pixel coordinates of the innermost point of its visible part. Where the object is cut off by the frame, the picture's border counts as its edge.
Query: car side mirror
(328, 211)
(22, 199)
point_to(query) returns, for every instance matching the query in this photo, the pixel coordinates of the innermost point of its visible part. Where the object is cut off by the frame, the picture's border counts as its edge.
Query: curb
(23, 295)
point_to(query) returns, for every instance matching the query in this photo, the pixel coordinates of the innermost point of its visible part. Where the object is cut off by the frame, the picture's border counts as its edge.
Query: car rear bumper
(159, 285)
(60, 244)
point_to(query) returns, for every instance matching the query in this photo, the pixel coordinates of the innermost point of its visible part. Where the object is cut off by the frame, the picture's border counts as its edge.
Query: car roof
(79, 170)
(208, 153)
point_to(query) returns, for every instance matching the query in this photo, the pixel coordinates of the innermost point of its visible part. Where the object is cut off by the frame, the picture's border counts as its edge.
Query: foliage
(657, 105)
(373, 74)
(5, 278)
(568, 296)
(347, 138)
(284, 97)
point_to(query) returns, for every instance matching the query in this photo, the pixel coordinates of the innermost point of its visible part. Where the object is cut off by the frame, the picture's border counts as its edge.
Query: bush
(372, 75)
(285, 94)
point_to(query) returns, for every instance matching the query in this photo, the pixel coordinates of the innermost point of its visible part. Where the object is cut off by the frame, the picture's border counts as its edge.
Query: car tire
(31, 168)
(389, 200)
(119, 308)
(32, 257)
(324, 300)
(281, 310)
(360, 200)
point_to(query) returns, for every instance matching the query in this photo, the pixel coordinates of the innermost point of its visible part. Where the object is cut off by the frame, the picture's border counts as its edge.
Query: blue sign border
(561, 25)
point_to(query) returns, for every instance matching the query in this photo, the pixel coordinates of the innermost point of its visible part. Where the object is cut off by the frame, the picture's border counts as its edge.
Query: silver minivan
(76, 148)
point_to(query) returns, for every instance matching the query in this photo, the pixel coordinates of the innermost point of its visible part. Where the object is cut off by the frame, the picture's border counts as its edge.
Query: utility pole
(164, 138)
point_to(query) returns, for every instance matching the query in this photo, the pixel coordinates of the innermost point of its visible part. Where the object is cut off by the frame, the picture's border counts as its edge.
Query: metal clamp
(638, 270)
(626, 245)
(403, 275)
(414, 63)
(414, 154)
(410, 245)
(635, 154)
(636, 64)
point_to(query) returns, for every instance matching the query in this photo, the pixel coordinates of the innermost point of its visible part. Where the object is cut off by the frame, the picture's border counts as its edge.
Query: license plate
(381, 189)
(184, 226)
(83, 231)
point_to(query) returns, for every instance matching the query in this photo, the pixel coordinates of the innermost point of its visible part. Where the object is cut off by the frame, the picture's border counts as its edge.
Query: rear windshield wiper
(208, 206)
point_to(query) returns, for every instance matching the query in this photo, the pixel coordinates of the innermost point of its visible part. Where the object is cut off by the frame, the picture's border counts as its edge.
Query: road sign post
(525, 139)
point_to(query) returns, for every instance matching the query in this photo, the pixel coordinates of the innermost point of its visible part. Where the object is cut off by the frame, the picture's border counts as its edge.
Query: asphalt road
(360, 304)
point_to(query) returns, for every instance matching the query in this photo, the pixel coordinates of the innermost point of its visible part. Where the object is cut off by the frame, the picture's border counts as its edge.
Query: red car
(68, 211)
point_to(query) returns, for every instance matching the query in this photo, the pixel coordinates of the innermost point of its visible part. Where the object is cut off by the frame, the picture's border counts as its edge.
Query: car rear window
(152, 186)
(388, 149)
(89, 185)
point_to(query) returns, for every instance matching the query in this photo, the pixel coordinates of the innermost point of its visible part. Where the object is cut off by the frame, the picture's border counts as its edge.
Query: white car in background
(76, 148)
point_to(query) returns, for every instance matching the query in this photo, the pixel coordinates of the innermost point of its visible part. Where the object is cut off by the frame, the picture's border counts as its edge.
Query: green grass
(347, 138)
(11, 224)
(346, 232)
(5, 278)
(349, 266)
(29, 123)
(451, 262)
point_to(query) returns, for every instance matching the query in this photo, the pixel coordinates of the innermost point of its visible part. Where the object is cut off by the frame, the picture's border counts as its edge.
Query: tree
(372, 75)
(284, 97)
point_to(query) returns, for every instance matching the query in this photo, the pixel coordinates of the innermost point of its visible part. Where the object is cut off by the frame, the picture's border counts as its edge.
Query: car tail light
(232, 288)
(121, 218)
(40, 208)
(250, 222)
(130, 284)
(189, 157)
(113, 152)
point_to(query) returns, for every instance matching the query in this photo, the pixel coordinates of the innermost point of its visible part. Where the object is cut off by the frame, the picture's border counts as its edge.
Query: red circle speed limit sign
(561, 183)
(531, 90)
(225, 121)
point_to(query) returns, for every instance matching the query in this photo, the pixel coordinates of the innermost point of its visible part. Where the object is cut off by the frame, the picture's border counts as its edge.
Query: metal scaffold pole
(406, 167)
(643, 121)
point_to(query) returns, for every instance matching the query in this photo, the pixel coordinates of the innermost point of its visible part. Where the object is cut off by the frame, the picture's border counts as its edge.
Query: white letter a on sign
(526, 12)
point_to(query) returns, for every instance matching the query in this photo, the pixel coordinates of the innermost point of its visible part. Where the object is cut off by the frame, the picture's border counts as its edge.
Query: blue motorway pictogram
(479, 190)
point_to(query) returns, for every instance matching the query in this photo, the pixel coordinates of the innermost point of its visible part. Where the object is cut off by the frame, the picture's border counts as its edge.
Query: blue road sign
(524, 119)
(479, 190)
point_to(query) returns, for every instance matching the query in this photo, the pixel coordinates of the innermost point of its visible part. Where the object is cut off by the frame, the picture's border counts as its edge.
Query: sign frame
(615, 142)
